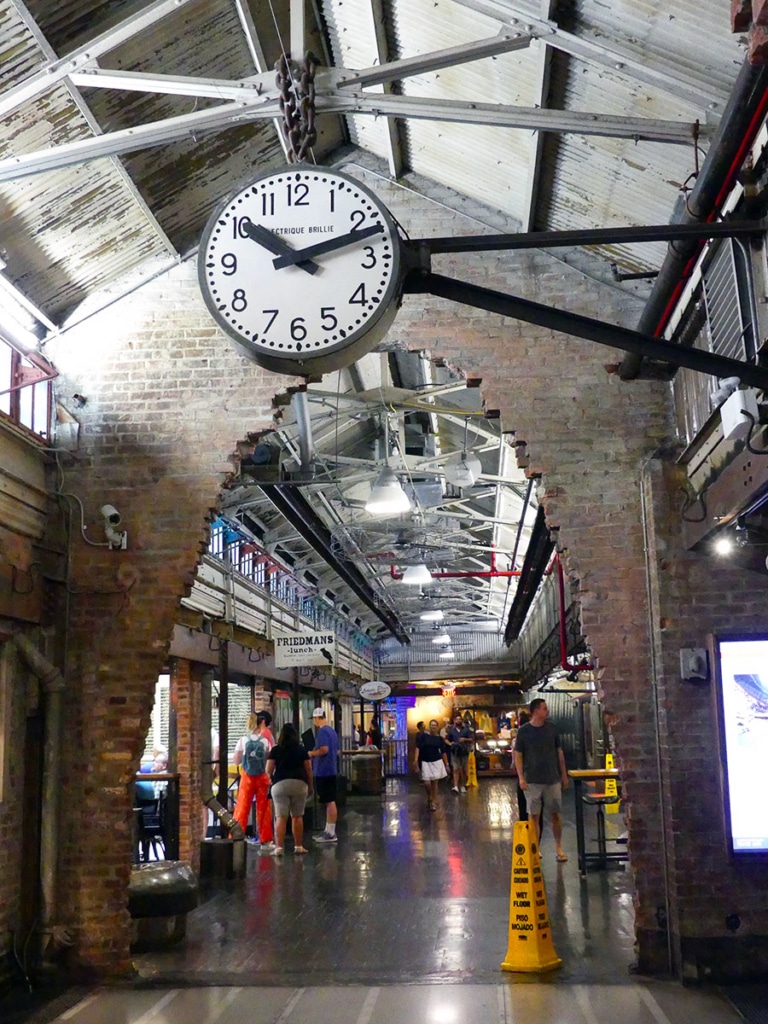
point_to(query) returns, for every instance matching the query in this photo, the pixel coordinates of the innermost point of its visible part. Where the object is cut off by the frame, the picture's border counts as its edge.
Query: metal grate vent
(726, 294)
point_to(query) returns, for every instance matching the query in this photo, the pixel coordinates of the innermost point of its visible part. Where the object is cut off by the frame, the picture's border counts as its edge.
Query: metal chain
(296, 84)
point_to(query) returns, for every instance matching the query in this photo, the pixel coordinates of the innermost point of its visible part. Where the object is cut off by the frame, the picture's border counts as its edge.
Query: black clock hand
(275, 244)
(329, 245)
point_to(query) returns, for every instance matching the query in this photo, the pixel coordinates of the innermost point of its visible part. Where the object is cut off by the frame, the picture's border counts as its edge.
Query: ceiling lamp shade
(417, 575)
(433, 615)
(462, 470)
(387, 497)
(447, 654)
(443, 638)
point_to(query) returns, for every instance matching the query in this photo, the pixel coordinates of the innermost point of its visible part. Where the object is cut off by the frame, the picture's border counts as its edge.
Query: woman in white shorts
(431, 759)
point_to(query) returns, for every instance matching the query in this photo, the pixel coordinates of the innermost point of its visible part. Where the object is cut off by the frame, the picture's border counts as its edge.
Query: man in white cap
(324, 758)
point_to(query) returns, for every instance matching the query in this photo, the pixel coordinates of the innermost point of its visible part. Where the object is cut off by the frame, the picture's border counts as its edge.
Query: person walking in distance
(324, 757)
(431, 761)
(251, 754)
(459, 738)
(541, 773)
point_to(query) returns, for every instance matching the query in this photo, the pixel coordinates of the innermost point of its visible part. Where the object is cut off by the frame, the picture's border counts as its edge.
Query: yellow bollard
(611, 789)
(471, 769)
(530, 939)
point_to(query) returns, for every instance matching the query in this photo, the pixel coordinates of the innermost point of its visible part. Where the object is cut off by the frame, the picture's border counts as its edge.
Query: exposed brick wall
(695, 597)
(186, 707)
(168, 400)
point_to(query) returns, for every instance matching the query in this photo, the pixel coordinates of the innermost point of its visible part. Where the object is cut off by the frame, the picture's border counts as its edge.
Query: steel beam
(156, 133)
(501, 115)
(54, 71)
(585, 327)
(590, 236)
(505, 41)
(599, 52)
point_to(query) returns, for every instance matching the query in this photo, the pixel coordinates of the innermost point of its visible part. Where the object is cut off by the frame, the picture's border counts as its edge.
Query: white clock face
(302, 269)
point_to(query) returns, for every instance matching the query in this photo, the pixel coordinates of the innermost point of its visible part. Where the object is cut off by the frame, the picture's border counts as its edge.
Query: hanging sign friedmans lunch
(305, 649)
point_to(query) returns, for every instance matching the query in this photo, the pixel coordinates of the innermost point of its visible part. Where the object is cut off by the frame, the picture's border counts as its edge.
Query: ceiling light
(723, 546)
(447, 654)
(462, 470)
(387, 496)
(417, 575)
(444, 638)
(434, 615)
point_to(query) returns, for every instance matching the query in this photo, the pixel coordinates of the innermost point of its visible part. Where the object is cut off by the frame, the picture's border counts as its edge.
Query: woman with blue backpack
(251, 754)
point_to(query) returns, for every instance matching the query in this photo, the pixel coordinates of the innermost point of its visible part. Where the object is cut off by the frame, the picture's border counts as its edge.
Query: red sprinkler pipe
(564, 663)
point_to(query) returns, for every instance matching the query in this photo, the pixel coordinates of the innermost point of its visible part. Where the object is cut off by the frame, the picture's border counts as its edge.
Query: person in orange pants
(251, 754)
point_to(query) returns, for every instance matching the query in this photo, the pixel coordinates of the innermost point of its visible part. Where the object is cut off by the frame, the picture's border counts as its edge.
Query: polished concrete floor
(406, 919)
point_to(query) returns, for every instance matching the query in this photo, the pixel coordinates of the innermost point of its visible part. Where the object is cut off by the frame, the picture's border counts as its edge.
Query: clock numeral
(229, 262)
(332, 200)
(366, 265)
(239, 302)
(272, 318)
(330, 323)
(297, 193)
(357, 297)
(357, 218)
(298, 330)
(268, 204)
(239, 225)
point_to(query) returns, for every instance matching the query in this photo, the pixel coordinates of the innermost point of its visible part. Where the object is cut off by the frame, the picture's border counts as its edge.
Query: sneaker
(251, 841)
(277, 852)
(454, 789)
(463, 789)
(326, 837)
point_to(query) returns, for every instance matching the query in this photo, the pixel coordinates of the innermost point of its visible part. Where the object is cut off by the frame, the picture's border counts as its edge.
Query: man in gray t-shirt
(541, 773)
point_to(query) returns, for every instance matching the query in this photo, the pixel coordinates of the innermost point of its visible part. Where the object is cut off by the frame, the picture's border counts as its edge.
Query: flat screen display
(743, 693)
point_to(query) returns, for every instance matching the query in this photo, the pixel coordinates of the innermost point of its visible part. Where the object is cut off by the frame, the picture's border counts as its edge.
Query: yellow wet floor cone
(611, 789)
(471, 769)
(530, 938)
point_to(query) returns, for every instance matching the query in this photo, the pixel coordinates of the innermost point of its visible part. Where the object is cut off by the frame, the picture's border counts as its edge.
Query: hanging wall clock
(301, 268)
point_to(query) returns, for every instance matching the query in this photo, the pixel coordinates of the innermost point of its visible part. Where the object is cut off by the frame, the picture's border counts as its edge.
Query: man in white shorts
(541, 773)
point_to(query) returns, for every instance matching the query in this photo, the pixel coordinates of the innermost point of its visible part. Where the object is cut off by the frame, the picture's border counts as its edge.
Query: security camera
(115, 538)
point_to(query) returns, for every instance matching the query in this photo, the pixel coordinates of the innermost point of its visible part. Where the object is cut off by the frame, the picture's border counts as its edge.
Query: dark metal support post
(585, 327)
(223, 723)
(295, 703)
(591, 236)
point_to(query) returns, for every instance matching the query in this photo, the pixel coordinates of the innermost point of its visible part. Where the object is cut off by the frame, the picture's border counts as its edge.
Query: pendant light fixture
(463, 469)
(387, 497)
(417, 576)
(432, 615)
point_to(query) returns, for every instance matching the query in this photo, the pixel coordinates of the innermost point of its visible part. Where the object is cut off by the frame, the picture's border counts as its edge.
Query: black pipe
(300, 514)
(540, 548)
(589, 236)
(742, 106)
(585, 327)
